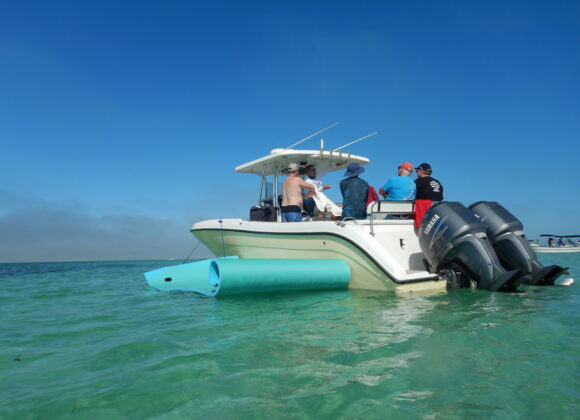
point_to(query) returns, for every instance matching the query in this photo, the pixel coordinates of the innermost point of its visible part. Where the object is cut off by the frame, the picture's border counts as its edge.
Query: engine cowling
(453, 238)
(506, 235)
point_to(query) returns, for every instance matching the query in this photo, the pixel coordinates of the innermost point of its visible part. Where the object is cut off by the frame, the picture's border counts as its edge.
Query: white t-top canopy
(278, 159)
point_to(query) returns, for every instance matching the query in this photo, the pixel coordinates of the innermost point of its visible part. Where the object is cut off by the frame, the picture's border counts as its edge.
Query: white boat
(564, 245)
(556, 250)
(382, 254)
(384, 251)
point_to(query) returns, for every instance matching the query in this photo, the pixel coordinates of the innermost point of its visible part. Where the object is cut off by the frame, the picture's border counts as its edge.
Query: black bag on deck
(263, 214)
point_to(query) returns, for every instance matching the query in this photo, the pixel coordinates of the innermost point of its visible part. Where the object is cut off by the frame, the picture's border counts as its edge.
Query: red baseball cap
(406, 165)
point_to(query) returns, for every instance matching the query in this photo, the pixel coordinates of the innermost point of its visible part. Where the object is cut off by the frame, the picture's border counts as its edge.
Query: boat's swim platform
(234, 276)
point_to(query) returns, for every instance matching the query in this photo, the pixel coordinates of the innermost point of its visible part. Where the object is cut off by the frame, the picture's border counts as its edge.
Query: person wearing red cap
(400, 187)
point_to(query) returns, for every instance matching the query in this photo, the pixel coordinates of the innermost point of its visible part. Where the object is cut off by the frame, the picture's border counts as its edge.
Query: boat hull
(556, 250)
(367, 273)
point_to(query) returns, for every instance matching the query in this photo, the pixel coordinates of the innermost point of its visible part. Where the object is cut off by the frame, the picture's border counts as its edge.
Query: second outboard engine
(506, 234)
(453, 240)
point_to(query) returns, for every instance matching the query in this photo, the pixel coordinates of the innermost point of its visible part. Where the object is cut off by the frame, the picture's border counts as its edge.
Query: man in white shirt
(314, 178)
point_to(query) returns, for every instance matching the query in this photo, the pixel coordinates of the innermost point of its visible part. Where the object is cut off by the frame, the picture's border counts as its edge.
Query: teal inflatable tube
(228, 276)
(192, 277)
(236, 277)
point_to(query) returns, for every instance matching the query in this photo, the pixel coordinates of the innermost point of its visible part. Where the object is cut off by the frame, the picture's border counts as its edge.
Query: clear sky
(121, 121)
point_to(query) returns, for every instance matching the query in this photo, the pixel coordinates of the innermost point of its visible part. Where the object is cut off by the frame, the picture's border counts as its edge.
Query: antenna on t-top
(356, 141)
(312, 135)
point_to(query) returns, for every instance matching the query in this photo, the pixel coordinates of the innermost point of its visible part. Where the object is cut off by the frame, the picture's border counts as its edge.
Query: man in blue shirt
(400, 187)
(354, 193)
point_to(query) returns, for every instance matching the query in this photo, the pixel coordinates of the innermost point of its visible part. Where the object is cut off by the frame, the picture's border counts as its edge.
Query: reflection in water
(386, 320)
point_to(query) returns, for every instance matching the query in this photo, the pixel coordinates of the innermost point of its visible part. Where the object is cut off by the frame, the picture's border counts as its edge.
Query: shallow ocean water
(91, 340)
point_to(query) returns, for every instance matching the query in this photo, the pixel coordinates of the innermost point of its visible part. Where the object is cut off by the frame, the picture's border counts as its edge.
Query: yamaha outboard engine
(506, 234)
(453, 240)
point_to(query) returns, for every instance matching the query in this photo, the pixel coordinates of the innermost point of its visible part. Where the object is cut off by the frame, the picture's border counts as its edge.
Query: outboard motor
(453, 240)
(506, 234)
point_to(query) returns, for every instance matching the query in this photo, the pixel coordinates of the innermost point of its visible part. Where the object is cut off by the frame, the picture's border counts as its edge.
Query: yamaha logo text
(431, 224)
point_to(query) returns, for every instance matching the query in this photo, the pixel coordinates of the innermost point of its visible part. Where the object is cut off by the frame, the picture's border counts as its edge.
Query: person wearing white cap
(400, 187)
(292, 199)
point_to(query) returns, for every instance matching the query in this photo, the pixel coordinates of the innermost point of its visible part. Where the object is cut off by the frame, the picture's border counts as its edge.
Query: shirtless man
(292, 200)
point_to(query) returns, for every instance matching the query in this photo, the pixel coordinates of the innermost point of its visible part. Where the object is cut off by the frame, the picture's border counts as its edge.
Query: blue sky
(121, 122)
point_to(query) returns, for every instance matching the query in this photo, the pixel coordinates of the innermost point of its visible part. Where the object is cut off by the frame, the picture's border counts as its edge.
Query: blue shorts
(291, 217)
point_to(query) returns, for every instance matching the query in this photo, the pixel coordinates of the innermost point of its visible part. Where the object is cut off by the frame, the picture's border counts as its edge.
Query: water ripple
(90, 340)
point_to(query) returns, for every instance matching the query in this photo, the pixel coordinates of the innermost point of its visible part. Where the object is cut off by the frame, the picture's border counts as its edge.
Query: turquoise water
(91, 341)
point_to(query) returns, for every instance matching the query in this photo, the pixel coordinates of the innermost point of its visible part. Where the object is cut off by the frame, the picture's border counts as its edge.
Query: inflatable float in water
(233, 276)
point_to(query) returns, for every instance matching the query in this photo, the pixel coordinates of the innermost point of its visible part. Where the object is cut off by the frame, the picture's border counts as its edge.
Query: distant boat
(563, 244)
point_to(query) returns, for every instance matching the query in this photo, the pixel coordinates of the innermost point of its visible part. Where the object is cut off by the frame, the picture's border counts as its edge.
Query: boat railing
(348, 219)
(389, 209)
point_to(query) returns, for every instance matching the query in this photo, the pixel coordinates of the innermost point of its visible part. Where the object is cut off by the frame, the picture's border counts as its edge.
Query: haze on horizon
(121, 122)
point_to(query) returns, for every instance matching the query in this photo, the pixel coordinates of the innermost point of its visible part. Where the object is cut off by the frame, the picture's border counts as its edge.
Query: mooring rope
(192, 251)
(223, 243)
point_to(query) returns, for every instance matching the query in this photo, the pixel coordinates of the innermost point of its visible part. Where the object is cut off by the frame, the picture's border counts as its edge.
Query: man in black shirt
(428, 188)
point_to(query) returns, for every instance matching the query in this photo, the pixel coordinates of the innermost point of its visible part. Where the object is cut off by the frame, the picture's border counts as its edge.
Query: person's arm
(319, 178)
(305, 184)
(384, 191)
(323, 172)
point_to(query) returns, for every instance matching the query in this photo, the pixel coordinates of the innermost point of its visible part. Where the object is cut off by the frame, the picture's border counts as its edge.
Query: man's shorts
(291, 214)
(291, 217)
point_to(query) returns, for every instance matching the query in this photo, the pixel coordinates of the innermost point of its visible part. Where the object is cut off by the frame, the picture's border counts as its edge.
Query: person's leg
(309, 205)
(285, 217)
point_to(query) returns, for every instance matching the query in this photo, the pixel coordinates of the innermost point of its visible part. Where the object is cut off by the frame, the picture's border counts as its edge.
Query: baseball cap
(406, 165)
(292, 167)
(424, 167)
